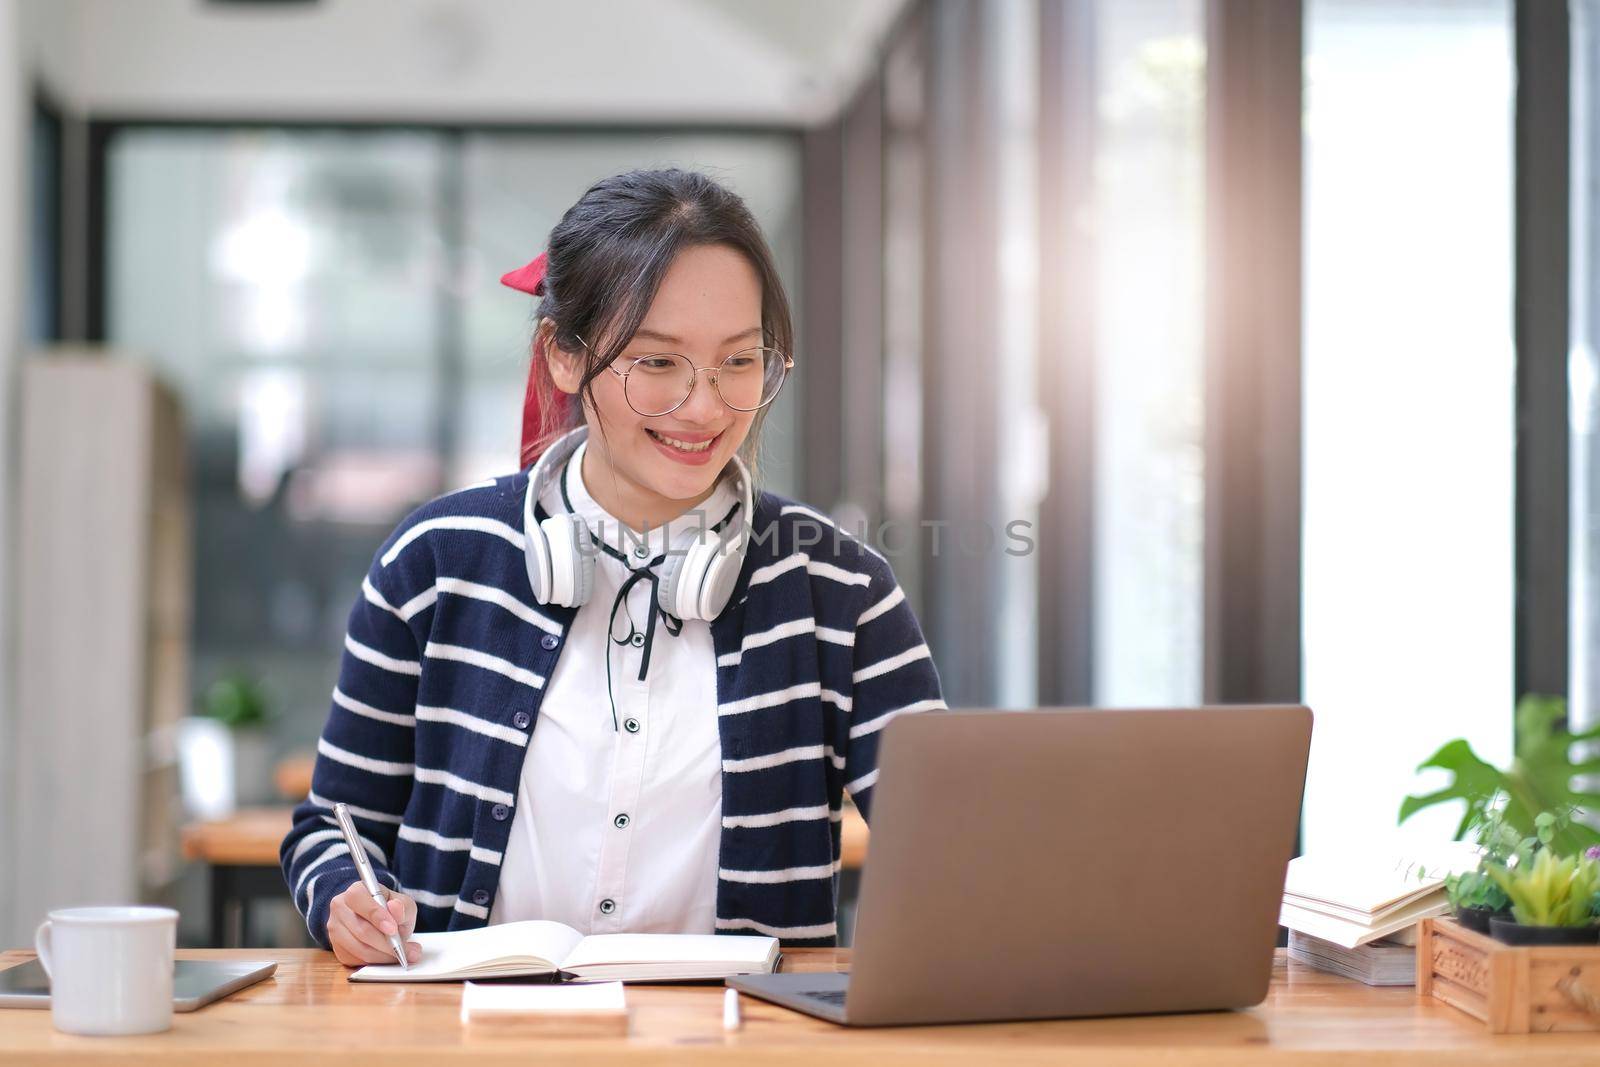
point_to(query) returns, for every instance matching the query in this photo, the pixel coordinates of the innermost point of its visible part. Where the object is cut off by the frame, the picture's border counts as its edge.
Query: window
(1149, 228)
(1408, 401)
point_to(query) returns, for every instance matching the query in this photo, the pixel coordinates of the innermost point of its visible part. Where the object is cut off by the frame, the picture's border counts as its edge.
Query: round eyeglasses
(660, 383)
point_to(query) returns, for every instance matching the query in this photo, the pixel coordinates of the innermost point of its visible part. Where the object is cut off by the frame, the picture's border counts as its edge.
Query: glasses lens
(747, 380)
(657, 384)
(751, 378)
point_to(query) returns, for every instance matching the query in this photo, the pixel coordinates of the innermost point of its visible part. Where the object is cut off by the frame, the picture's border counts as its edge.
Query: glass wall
(326, 304)
(1149, 227)
(1019, 421)
(1408, 401)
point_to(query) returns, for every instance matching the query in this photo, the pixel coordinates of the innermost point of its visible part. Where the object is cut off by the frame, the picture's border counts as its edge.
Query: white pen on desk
(368, 879)
(730, 1010)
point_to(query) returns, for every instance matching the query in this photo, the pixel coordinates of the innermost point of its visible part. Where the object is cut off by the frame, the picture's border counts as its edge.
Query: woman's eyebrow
(667, 338)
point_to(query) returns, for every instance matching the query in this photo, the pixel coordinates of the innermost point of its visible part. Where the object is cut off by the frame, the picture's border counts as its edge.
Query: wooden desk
(241, 857)
(248, 838)
(309, 1015)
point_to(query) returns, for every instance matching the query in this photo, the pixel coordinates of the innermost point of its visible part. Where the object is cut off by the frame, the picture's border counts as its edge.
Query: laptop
(1068, 862)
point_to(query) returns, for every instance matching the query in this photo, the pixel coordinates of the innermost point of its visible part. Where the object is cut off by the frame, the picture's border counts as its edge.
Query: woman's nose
(704, 403)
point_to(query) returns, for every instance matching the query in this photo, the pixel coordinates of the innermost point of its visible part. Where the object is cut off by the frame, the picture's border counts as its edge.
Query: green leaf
(1540, 780)
(237, 700)
(1475, 782)
(1551, 891)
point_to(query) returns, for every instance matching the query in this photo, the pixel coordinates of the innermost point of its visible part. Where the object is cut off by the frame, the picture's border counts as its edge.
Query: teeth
(681, 446)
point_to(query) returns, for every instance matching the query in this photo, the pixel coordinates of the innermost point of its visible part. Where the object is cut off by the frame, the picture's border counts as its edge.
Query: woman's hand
(359, 928)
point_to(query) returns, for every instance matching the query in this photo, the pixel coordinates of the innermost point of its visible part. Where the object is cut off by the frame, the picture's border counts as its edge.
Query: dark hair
(607, 257)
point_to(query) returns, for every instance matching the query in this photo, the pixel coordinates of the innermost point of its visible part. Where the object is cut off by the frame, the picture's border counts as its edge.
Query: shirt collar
(674, 534)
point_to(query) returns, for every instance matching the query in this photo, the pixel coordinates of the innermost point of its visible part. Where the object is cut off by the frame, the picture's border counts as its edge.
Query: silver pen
(368, 879)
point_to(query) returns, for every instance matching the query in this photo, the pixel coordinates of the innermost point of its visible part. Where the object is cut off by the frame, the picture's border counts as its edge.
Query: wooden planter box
(1516, 990)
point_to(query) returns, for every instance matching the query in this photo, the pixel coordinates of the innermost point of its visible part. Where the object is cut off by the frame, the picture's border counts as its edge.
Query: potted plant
(1552, 900)
(1475, 898)
(225, 747)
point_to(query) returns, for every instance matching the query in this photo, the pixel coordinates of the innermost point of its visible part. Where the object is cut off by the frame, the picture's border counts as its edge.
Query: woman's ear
(566, 368)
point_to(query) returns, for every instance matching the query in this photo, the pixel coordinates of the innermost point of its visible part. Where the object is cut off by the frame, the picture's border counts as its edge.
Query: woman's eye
(739, 362)
(656, 363)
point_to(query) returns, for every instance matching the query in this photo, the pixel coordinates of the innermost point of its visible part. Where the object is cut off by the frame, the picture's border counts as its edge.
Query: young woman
(620, 688)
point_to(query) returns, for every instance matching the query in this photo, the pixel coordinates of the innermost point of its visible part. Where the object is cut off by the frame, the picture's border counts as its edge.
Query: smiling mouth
(681, 445)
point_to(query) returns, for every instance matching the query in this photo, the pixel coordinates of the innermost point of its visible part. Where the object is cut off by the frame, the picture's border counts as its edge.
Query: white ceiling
(766, 62)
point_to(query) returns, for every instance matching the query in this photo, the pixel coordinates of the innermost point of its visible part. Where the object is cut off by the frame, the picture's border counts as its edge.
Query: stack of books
(1356, 915)
(1385, 962)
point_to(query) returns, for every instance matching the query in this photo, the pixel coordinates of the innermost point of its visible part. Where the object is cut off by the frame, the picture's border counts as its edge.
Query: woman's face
(654, 468)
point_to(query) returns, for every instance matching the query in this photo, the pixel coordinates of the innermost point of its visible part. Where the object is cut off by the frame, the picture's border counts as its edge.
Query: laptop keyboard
(830, 996)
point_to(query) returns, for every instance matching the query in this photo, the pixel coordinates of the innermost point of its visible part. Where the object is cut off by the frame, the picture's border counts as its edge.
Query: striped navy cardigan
(444, 666)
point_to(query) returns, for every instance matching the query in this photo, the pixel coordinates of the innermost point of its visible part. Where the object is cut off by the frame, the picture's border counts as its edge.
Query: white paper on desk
(479, 1000)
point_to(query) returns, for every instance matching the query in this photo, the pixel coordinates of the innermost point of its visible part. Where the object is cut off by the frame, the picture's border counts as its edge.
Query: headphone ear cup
(683, 588)
(722, 574)
(537, 556)
(583, 564)
(571, 568)
(667, 589)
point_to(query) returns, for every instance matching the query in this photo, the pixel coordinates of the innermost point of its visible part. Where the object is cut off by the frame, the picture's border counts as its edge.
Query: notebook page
(1373, 883)
(460, 952)
(735, 951)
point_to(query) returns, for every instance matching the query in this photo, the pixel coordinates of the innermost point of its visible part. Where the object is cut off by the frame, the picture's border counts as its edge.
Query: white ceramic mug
(110, 968)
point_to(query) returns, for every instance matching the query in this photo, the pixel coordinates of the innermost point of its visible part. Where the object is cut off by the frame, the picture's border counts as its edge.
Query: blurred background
(1270, 322)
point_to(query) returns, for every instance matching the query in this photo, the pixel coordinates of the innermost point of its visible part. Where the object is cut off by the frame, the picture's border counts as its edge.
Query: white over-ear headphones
(695, 582)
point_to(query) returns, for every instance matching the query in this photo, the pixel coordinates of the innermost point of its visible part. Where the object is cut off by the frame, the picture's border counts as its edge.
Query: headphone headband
(547, 467)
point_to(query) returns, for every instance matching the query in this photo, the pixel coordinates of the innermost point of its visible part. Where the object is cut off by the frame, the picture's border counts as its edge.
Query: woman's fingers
(362, 904)
(361, 942)
(404, 911)
(359, 927)
(354, 938)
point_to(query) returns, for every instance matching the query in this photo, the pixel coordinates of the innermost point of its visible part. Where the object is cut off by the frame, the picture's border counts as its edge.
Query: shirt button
(621, 821)
(500, 812)
(631, 725)
(548, 642)
(481, 897)
(636, 640)
(521, 720)
(607, 906)
(643, 552)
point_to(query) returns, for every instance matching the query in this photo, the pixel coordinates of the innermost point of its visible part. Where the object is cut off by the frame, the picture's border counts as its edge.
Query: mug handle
(41, 943)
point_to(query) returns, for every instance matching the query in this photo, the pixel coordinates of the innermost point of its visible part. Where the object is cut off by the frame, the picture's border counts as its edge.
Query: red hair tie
(530, 278)
(537, 424)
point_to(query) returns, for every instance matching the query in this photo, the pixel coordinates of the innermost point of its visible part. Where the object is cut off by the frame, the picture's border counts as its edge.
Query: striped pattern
(444, 666)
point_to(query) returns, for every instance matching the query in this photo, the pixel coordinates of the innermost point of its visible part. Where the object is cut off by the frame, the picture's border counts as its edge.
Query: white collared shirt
(617, 827)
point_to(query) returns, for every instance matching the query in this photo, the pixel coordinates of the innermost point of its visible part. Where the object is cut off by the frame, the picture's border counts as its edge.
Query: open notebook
(540, 947)
(1356, 897)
